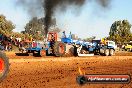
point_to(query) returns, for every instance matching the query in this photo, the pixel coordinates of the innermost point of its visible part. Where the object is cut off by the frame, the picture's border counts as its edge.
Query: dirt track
(53, 72)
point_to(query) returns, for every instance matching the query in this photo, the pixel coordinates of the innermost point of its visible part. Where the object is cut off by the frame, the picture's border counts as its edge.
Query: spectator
(9, 47)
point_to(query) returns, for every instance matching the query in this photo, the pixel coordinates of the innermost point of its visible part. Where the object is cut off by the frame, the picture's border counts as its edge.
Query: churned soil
(61, 72)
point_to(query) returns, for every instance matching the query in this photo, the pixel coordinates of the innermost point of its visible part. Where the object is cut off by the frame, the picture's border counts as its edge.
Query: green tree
(6, 26)
(120, 31)
(35, 28)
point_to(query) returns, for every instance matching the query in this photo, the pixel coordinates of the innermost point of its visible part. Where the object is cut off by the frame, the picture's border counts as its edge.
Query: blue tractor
(56, 46)
(51, 47)
(96, 47)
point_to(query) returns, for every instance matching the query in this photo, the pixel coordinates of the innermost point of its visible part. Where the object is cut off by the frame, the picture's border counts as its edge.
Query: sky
(90, 21)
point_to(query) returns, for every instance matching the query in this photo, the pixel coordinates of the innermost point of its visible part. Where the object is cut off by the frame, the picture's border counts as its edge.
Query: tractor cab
(52, 36)
(111, 44)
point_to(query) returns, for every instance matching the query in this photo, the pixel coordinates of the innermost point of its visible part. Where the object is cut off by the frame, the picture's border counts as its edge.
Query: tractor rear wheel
(4, 66)
(59, 49)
